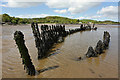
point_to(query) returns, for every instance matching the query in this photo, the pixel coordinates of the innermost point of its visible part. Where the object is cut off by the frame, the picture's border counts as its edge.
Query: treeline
(99, 22)
(13, 20)
(6, 19)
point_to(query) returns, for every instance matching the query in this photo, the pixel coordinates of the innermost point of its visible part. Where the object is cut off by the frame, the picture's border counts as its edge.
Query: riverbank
(75, 25)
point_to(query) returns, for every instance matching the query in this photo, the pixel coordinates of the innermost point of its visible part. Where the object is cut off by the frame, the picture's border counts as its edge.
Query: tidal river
(65, 55)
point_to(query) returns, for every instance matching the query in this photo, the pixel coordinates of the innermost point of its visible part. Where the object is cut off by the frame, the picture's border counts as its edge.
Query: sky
(75, 9)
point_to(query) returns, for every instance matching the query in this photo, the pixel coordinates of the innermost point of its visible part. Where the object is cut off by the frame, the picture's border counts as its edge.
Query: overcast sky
(67, 8)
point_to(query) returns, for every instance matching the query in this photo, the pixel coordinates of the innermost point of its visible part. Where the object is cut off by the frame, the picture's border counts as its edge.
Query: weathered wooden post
(91, 52)
(37, 29)
(36, 34)
(99, 47)
(28, 65)
(106, 39)
(93, 25)
(82, 27)
(48, 36)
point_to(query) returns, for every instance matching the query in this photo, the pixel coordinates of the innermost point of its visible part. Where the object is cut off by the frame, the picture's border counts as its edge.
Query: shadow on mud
(46, 69)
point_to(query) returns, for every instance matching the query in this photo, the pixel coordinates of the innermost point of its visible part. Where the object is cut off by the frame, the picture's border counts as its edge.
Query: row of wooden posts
(48, 36)
(44, 40)
(100, 47)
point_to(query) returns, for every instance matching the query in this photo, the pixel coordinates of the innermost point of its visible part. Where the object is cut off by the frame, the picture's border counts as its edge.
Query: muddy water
(64, 55)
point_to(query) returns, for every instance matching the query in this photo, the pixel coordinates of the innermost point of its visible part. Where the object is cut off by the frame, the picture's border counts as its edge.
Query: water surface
(65, 55)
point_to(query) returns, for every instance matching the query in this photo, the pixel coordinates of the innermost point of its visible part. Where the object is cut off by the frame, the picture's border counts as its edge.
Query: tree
(14, 20)
(78, 21)
(6, 18)
(23, 21)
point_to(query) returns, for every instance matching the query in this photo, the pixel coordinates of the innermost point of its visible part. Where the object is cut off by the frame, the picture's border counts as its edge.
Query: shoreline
(58, 24)
(72, 25)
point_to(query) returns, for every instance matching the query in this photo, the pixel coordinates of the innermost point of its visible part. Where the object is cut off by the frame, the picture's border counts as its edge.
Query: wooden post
(91, 52)
(93, 25)
(28, 65)
(99, 47)
(106, 39)
(38, 40)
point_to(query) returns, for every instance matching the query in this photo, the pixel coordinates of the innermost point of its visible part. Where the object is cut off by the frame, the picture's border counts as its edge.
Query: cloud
(58, 3)
(81, 7)
(20, 4)
(61, 0)
(81, 18)
(109, 12)
(60, 11)
(34, 15)
(94, 17)
(39, 16)
(106, 13)
(3, 5)
(90, 17)
(24, 0)
(73, 6)
(63, 6)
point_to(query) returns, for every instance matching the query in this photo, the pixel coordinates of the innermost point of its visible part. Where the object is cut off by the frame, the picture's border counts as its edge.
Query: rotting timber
(49, 35)
(28, 65)
(44, 40)
(100, 47)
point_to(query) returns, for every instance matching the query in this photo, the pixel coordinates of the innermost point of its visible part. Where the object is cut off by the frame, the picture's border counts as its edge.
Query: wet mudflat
(63, 60)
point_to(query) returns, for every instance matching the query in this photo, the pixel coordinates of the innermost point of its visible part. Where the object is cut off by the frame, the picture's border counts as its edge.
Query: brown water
(66, 54)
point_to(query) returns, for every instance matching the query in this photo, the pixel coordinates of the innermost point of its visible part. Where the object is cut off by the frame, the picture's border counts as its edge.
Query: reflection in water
(52, 54)
(90, 60)
(81, 32)
(55, 49)
(103, 56)
(97, 61)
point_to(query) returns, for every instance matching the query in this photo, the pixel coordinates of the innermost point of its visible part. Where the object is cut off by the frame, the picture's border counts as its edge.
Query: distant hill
(99, 22)
(56, 19)
(50, 19)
